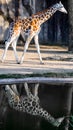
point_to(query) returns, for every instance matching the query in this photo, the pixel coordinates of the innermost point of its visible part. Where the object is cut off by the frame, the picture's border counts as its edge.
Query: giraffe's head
(60, 7)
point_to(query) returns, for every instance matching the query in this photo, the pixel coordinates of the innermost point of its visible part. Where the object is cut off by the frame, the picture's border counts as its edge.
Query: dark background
(56, 29)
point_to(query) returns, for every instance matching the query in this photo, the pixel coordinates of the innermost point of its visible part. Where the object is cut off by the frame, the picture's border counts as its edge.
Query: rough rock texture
(53, 31)
(8, 10)
(70, 4)
(4, 24)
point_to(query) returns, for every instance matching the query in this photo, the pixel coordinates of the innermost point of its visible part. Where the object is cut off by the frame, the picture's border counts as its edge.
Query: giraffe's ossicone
(29, 104)
(33, 25)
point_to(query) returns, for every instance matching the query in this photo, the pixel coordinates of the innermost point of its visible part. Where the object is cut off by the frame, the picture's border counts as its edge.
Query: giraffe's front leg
(38, 48)
(14, 48)
(28, 92)
(26, 46)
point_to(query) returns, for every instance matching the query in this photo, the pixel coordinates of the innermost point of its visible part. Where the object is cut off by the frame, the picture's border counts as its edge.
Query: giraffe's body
(29, 104)
(33, 24)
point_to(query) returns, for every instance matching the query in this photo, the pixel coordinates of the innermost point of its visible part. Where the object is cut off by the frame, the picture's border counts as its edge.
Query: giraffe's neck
(46, 14)
(46, 115)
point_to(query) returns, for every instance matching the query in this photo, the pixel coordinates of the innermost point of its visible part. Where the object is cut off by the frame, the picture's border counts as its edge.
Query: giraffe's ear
(60, 2)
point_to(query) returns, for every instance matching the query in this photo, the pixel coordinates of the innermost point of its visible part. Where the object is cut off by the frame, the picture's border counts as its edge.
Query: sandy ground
(56, 59)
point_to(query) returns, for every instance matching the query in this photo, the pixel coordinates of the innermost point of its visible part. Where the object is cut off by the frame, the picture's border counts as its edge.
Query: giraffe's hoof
(18, 62)
(1, 61)
(42, 63)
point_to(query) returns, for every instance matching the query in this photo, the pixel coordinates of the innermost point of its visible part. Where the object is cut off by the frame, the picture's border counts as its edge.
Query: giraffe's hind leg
(14, 88)
(8, 41)
(9, 91)
(5, 51)
(12, 39)
(13, 98)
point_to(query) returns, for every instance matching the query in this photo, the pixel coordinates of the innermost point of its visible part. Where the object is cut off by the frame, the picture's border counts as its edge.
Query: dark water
(21, 121)
(52, 99)
(43, 126)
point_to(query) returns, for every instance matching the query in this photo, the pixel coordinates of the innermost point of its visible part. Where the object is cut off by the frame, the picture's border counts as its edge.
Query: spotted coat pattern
(29, 104)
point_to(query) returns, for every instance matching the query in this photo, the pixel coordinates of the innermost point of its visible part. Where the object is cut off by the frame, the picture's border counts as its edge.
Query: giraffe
(33, 25)
(29, 104)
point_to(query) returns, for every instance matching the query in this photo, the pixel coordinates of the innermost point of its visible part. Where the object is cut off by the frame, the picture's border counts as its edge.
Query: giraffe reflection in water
(29, 104)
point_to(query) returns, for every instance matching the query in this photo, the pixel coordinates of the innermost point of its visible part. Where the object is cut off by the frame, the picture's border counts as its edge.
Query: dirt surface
(55, 59)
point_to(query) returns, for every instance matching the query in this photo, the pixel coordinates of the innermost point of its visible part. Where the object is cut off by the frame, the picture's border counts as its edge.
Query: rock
(7, 12)
(3, 28)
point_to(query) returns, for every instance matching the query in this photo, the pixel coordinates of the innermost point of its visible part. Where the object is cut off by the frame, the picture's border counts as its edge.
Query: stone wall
(8, 14)
(55, 30)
